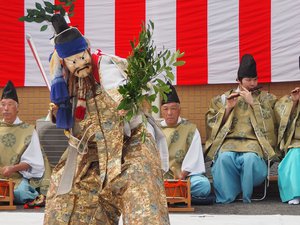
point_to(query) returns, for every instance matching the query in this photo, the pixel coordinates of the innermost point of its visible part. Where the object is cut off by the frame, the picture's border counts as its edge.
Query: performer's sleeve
(213, 120)
(33, 156)
(264, 106)
(194, 161)
(282, 114)
(286, 121)
(161, 142)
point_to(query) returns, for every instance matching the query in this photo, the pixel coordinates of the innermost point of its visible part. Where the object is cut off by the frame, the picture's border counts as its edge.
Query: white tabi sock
(294, 201)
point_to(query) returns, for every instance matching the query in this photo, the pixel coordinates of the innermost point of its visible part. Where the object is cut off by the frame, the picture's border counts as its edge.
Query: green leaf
(146, 66)
(154, 109)
(29, 19)
(152, 98)
(122, 105)
(30, 12)
(129, 115)
(179, 63)
(38, 5)
(56, 7)
(44, 27)
(180, 55)
(42, 13)
(152, 24)
(68, 4)
(48, 4)
(72, 8)
(48, 17)
(49, 10)
(164, 96)
(143, 136)
(132, 44)
(62, 11)
(156, 90)
(170, 75)
(35, 11)
(22, 19)
(160, 81)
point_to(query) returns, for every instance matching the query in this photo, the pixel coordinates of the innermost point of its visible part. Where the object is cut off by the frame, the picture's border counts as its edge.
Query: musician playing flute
(241, 136)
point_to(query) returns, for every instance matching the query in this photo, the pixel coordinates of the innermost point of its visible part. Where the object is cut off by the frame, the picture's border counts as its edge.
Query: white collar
(164, 124)
(17, 120)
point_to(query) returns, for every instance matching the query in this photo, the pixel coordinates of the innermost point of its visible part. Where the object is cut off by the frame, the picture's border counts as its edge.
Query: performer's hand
(247, 95)
(53, 107)
(183, 175)
(295, 94)
(232, 100)
(7, 171)
(122, 112)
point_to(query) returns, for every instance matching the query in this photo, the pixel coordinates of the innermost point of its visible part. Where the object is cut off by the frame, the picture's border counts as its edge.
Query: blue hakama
(289, 175)
(236, 172)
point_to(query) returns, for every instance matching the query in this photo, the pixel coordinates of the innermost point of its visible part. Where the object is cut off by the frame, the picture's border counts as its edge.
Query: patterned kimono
(185, 153)
(15, 140)
(289, 142)
(113, 174)
(240, 146)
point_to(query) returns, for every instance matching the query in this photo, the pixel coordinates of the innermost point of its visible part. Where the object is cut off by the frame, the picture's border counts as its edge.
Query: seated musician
(288, 115)
(185, 149)
(241, 136)
(21, 158)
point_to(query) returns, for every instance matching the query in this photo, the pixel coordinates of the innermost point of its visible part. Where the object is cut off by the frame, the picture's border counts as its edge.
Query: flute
(252, 90)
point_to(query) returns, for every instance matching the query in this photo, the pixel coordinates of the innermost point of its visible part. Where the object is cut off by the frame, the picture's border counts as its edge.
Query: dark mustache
(82, 68)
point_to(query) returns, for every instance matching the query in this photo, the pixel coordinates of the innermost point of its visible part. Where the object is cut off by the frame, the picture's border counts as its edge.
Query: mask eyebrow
(75, 58)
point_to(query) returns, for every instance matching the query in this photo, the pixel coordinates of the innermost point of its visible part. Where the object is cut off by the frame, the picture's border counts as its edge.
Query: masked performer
(103, 173)
(241, 135)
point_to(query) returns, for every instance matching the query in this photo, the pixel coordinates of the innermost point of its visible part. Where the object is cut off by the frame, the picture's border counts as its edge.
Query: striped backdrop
(212, 33)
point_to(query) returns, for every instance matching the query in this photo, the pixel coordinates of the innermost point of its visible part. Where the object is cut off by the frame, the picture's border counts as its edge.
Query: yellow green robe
(178, 147)
(239, 146)
(15, 139)
(261, 119)
(114, 173)
(289, 143)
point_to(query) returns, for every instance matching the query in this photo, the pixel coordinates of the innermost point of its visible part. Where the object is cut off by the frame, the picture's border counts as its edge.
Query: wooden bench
(7, 195)
(178, 191)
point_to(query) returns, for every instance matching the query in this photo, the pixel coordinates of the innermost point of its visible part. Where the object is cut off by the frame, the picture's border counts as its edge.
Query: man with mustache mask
(103, 173)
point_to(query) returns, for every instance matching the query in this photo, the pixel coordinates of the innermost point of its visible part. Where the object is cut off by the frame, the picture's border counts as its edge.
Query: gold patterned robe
(15, 139)
(257, 121)
(114, 173)
(289, 124)
(179, 140)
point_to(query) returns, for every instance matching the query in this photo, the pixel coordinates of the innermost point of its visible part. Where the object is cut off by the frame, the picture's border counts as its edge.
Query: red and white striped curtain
(214, 34)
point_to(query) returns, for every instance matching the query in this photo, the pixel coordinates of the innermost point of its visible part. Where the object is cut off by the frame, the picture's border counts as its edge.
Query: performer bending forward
(103, 173)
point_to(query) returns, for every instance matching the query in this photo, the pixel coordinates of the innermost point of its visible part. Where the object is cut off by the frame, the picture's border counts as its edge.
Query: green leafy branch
(145, 71)
(44, 13)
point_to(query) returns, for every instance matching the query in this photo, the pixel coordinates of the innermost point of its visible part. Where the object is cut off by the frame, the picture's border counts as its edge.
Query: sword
(37, 59)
